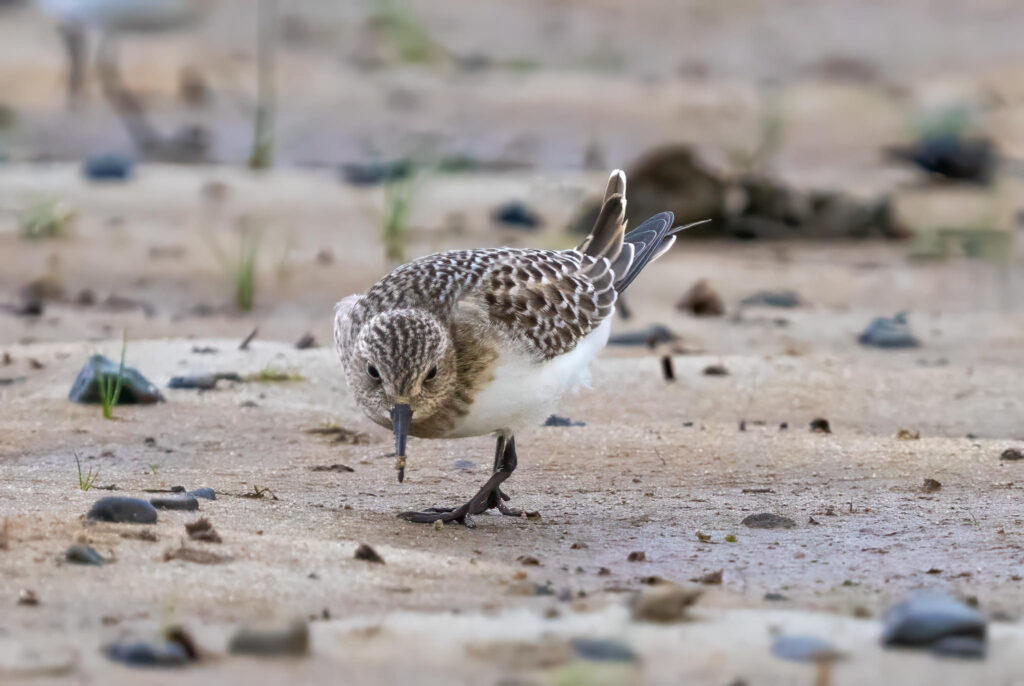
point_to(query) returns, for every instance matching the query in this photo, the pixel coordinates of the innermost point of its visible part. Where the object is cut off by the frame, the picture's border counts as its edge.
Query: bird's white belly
(525, 392)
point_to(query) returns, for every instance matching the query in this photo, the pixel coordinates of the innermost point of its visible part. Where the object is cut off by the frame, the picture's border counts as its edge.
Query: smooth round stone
(80, 554)
(206, 493)
(175, 503)
(927, 618)
(768, 520)
(603, 650)
(108, 167)
(804, 649)
(141, 654)
(135, 388)
(122, 509)
(271, 642)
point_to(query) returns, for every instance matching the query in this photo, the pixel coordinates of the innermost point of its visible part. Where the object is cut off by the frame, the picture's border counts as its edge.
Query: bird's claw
(439, 514)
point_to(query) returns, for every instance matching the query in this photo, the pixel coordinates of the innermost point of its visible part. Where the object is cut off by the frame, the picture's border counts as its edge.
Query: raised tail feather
(630, 252)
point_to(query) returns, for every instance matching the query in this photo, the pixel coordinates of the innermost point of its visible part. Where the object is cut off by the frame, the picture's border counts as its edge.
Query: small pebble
(122, 509)
(931, 486)
(290, 641)
(602, 650)
(783, 298)
(28, 597)
(518, 214)
(884, 332)
(637, 556)
(81, 554)
(108, 167)
(368, 554)
(206, 493)
(927, 618)
(652, 336)
(175, 503)
(767, 520)
(960, 646)
(664, 603)
(702, 300)
(135, 388)
(804, 649)
(1011, 455)
(820, 425)
(558, 420)
(141, 654)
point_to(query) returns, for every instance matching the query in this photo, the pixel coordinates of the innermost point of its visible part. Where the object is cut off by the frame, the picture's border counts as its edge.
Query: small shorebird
(472, 342)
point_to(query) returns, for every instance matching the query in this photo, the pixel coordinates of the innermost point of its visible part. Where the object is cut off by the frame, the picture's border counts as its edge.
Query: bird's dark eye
(431, 374)
(372, 371)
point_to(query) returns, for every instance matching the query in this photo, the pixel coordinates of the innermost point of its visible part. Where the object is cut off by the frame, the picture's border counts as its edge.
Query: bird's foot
(497, 500)
(441, 514)
(494, 499)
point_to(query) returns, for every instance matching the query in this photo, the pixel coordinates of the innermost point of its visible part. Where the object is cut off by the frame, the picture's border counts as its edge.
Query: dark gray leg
(75, 43)
(489, 496)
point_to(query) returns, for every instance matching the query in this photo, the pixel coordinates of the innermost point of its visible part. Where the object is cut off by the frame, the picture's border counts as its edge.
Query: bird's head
(402, 370)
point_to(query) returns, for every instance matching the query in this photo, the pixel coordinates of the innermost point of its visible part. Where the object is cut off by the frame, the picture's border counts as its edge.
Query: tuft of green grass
(262, 155)
(731, 538)
(45, 218)
(404, 32)
(88, 479)
(241, 270)
(399, 195)
(110, 388)
(272, 374)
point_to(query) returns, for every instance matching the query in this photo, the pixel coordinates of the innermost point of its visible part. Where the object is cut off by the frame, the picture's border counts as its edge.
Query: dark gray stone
(885, 332)
(767, 520)
(108, 167)
(135, 388)
(781, 298)
(960, 646)
(81, 554)
(202, 382)
(141, 654)
(122, 509)
(603, 650)
(927, 618)
(558, 420)
(517, 214)
(804, 649)
(175, 503)
(951, 156)
(290, 641)
(374, 173)
(653, 335)
(206, 493)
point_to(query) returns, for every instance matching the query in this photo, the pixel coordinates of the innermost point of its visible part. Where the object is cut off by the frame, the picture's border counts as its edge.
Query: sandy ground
(656, 463)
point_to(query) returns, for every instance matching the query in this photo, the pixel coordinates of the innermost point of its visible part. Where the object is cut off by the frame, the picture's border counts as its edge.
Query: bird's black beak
(401, 418)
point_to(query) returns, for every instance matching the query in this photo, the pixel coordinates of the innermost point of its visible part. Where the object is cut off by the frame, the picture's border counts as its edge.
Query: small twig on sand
(248, 339)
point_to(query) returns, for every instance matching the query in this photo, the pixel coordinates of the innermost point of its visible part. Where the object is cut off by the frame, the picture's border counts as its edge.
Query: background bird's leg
(125, 104)
(75, 43)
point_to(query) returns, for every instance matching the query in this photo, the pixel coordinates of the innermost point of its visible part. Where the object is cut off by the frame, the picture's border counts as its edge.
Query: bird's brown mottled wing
(547, 300)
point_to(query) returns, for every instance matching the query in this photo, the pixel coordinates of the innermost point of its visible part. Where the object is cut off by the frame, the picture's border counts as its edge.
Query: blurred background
(178, 164)
(836, 356)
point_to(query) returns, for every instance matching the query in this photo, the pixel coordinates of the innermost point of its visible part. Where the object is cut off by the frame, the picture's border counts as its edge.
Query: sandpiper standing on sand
(473, 342)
